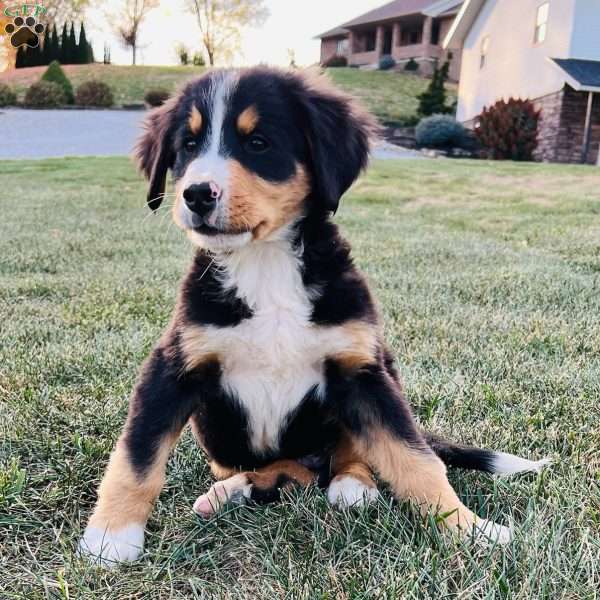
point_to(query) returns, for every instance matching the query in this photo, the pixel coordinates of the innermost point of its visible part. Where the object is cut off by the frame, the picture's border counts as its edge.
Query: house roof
(462, 24)
(335, 32)
(443, 7)
(391, 10)
(581, 75)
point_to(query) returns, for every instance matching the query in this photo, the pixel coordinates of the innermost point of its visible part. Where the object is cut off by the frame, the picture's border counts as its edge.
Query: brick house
(404, 29)
(544, 50)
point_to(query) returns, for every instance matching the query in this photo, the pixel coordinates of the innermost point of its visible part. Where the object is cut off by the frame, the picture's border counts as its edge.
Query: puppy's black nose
(200, 198)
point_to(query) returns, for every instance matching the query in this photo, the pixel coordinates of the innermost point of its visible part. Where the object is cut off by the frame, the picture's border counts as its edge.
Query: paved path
(53, 133)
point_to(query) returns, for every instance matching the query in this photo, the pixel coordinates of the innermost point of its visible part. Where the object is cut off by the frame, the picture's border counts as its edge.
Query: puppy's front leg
(159, 408)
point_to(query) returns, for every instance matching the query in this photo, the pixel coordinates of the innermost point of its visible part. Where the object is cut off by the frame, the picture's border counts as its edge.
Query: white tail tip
(508, 464)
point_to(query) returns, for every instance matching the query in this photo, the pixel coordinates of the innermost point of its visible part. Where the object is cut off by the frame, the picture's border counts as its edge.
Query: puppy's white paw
(235, 489)
(489, 533)
(108, 548)
(347, 491)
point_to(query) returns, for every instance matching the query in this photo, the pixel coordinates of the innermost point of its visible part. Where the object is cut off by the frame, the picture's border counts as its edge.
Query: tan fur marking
(123, 496)
(267, 477)
(262, 206)
(416, 475)
(363, 348)
(347, 461)
(194, 347)
(220, 472)
(247, 121)
(195, 120)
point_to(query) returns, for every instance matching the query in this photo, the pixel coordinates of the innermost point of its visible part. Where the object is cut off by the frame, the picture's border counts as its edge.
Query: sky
(291, 25)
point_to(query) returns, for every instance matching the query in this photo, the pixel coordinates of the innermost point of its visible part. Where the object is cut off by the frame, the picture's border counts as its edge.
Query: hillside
(389, 95)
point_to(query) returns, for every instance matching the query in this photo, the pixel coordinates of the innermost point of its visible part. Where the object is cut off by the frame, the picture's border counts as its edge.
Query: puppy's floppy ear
(339, 134)
(154, 152)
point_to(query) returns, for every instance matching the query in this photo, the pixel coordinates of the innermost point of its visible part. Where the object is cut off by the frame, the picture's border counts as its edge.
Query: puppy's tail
(480, 459)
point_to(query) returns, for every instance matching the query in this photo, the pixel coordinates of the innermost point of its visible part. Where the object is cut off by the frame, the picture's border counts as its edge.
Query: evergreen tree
(72, 46)
(47, 48)
(433, 100)
(34, 56)
(55, 74)
(82, 47)
(90, 55)
(54, 46)
(63, 55)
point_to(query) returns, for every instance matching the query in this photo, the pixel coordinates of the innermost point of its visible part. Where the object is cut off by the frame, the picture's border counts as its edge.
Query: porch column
(379, 40)
(396, 34)
(587, 129)
(427, 27)
(351, 42)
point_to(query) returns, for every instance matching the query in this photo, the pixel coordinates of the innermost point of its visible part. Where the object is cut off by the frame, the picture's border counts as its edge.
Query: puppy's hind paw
(489, 533)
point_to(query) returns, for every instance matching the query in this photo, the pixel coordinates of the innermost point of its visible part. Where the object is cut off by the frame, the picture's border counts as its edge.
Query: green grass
(488, 277)
(390, 96)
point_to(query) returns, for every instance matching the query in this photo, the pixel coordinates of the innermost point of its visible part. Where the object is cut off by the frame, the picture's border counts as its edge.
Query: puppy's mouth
(206, 229)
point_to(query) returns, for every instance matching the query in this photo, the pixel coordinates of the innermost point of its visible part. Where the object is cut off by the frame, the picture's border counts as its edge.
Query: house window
(485, 45)
(435, 33)
(341, 47)
(370, 41)
(541, 23)
(411, 36)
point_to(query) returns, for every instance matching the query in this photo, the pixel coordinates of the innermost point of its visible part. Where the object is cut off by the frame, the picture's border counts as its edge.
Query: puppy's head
(252, 151)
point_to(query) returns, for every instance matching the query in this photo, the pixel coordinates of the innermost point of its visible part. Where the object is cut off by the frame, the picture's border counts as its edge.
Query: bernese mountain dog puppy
(274, 354)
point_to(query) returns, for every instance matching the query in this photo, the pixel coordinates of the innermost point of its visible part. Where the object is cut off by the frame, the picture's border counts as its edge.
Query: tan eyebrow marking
(195, 120)
(246, 122)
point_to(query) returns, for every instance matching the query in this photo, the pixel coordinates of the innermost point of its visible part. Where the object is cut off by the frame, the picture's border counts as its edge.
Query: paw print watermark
(24, 32)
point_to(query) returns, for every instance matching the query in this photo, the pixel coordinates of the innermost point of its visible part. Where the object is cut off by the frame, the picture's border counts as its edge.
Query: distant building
(403, 29)
(547, 51)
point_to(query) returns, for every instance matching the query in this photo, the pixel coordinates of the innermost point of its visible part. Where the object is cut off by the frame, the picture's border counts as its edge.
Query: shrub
(336, 61)
(443, 132)
(386, 62)
(94, 93)
(433, 100)
(411, 65)
(55, 74)
(7, 95)
(156, 97)
(198, 60)
(508, 130)
(45, 94)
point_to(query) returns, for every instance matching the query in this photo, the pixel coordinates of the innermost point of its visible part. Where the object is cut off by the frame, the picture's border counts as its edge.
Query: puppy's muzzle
(201, 198)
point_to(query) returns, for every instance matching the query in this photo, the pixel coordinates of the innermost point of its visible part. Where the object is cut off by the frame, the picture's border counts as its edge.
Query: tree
(47, 48)
(433, 100)
(128, 20)
(61, 11)
(221, 21)
(21, 60)
(83, 49)
(54, 45)
(63, 55)
(72, 48)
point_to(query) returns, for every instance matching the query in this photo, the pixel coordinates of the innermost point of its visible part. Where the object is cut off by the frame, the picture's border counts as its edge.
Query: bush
(55, 74)
(336, 61)
(508, 130)
(7, 95)
(198, 60)
(411, 65)
(94, 93)
(45, 94)
(433, 100)
(442, 132)
(156, 97)
(386, 62)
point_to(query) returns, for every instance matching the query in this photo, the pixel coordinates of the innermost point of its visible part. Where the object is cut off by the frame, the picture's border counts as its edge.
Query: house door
(387, 40)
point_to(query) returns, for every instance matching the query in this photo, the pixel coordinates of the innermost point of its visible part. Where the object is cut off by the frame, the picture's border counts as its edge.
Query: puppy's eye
(190, 145)
(256, 144)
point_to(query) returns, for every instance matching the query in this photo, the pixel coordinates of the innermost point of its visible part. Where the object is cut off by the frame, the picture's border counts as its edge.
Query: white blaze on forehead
(211, 163)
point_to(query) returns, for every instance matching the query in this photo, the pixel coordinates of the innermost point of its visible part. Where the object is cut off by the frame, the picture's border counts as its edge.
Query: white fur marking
(347, 491)
(111, 547)
(211, 165)
(234, 489)
(508, 464)
(488, 533)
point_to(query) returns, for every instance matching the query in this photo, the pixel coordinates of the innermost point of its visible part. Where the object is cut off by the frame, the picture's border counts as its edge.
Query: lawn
(488, 277)
(391, 96)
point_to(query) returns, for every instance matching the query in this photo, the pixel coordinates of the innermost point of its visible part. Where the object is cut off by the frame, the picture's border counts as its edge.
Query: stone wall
(562, 124)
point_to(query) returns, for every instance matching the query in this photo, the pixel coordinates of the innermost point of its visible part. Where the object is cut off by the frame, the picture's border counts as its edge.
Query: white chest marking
(271, 360)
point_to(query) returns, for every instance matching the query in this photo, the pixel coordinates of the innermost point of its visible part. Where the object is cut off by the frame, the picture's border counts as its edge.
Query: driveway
(54, 133)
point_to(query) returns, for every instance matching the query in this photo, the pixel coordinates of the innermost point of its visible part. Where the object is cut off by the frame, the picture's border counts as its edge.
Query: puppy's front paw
(109, 547)
(347, 491)
(236, 489)
(487, 532)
